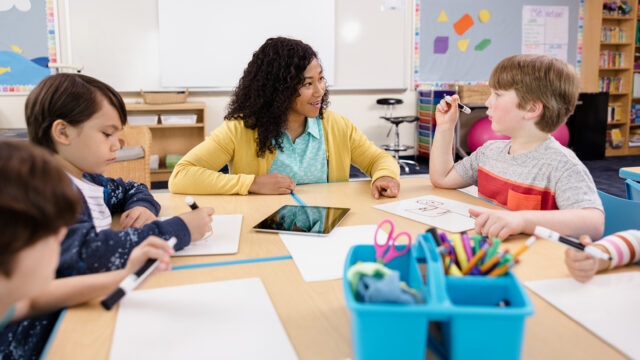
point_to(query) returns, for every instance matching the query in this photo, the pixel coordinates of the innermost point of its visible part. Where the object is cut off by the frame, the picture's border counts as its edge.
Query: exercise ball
(481, 132)
(562, 135)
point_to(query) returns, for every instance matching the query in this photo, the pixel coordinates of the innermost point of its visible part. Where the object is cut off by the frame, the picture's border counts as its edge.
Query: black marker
(434, 234)
(192, 203)
(133, 280)
(574, 243)
(462, 107)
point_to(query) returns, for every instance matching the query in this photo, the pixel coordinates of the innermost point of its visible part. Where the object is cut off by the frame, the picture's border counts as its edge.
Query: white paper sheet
(450, 215)
(470, 190)
(322, 258)
(608, 305)
(219, 320)
(223, 240)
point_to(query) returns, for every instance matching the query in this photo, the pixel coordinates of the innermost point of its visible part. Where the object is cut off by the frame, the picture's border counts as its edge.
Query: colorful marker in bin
(462, 257)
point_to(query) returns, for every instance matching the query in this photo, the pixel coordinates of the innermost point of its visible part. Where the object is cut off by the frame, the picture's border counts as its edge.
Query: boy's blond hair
(542, 78)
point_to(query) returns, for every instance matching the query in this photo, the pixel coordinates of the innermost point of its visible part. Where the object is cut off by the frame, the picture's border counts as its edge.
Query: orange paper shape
(461, 26)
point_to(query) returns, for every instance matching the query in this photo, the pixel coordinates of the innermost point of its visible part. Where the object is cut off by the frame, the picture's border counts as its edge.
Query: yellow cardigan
(234, 144)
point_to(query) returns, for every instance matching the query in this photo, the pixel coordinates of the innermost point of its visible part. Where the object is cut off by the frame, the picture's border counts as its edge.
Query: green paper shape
(482, 45)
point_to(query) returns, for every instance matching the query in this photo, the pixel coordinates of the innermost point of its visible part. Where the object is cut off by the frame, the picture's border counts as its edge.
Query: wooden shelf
(616, 123)
(621, 18)
(172, 138)
(160, 126)
(611, 93)
(615, 68)
(165, 107)
(634, 125)
(615, 43)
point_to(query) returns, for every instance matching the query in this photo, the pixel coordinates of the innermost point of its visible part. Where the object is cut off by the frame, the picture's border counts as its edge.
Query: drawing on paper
(434, 208)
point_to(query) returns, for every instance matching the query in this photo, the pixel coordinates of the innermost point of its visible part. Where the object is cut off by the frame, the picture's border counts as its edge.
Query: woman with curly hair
(278, 133)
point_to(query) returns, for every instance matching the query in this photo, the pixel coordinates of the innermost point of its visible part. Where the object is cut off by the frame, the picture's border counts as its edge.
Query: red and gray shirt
(549, 177)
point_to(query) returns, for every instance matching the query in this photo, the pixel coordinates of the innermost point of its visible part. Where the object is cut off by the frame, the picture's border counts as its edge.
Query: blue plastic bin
(472, 324)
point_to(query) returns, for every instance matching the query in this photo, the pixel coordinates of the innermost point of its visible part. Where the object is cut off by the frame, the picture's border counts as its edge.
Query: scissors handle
(381, 248)
(387, 251)
(393, 251)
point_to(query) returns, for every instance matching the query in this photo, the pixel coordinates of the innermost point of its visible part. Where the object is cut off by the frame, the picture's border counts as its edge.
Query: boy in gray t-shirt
(531, 96)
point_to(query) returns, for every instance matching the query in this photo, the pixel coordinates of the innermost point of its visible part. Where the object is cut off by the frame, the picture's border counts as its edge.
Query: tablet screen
(312, 220)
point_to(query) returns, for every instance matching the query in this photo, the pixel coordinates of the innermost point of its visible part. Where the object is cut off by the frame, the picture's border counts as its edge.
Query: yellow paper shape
(462, 45)
(484, 15)
(442, 17)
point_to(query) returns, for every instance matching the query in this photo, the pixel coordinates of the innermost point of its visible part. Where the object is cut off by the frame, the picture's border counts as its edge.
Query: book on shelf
(614, 112)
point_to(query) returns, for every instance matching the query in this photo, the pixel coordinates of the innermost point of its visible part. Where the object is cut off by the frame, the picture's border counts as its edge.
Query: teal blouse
(305, 161)
(6, 318)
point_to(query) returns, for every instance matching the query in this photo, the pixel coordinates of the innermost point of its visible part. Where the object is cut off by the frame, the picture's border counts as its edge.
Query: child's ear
(60, 131)
(534, 111)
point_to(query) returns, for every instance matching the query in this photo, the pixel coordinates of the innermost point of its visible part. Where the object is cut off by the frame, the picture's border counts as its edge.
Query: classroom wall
(361, 108)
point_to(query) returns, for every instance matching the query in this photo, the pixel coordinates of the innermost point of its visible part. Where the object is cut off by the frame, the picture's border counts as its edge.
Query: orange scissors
(388, 250)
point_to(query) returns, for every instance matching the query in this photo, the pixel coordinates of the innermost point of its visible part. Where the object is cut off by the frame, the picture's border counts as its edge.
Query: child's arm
(583, 266)
(129, 198)
(76, 290)
(86, 251)
(441, 170)
(572, 222)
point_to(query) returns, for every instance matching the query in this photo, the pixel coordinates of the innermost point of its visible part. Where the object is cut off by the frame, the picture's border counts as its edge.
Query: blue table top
(632, 173)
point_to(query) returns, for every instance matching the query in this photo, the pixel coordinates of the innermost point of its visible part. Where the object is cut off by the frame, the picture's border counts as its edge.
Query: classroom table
(314, 314)
(632, 173)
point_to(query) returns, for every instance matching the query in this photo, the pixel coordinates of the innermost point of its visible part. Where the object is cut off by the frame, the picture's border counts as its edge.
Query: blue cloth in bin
(387, 289)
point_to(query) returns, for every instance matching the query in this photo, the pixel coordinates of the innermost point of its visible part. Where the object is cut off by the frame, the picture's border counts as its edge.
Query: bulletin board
(28, 42)
(461, 41)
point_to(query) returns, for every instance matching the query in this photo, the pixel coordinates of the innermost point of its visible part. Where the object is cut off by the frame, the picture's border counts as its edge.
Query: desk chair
(137, 169)
(633, 190)
(396, 147)
(619, 214)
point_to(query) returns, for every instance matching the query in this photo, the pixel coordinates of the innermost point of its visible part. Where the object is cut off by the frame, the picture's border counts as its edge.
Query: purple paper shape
(441, 45)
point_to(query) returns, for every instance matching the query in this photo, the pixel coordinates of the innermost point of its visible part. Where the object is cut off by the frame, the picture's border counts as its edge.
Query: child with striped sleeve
(623, 246)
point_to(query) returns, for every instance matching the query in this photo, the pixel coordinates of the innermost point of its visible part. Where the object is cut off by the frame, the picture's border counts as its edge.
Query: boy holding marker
(37, 204)
(531, 96)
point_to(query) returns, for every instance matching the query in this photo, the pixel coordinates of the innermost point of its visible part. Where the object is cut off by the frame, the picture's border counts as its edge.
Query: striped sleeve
(624, 247)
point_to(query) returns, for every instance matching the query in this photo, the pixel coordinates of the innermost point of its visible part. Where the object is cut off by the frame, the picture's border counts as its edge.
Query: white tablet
(310, 220)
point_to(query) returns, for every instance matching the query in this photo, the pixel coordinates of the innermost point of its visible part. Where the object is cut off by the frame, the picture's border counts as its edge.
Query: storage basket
(473, 94)
(164, 97)
(472, 324)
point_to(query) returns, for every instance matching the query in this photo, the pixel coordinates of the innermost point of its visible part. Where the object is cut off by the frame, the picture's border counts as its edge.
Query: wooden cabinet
(611, 57)
(172, 139)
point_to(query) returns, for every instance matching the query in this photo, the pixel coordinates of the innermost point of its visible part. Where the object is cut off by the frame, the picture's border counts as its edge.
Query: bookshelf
(608, 65)
(171, 139)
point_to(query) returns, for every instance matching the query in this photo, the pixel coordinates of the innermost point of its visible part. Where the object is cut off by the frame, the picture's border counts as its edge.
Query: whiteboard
(208, 44)
(118, 41)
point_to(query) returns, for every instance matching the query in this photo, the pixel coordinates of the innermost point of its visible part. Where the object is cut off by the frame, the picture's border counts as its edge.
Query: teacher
(278, 133)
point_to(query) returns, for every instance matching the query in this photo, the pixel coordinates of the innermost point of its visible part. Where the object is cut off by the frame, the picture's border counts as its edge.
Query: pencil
(503, 269)
(525, 246)
(475, 259)
(488, 264)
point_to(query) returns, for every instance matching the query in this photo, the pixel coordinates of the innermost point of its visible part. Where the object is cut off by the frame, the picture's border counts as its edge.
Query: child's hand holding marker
(447, 115)
(198, 220)
(461, 106)
(583, 260)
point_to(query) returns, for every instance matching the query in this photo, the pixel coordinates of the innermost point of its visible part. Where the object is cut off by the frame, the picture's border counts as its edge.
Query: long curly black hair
(268, 88)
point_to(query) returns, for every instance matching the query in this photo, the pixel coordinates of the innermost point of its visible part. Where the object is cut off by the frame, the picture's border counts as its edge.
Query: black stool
(396, 147)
